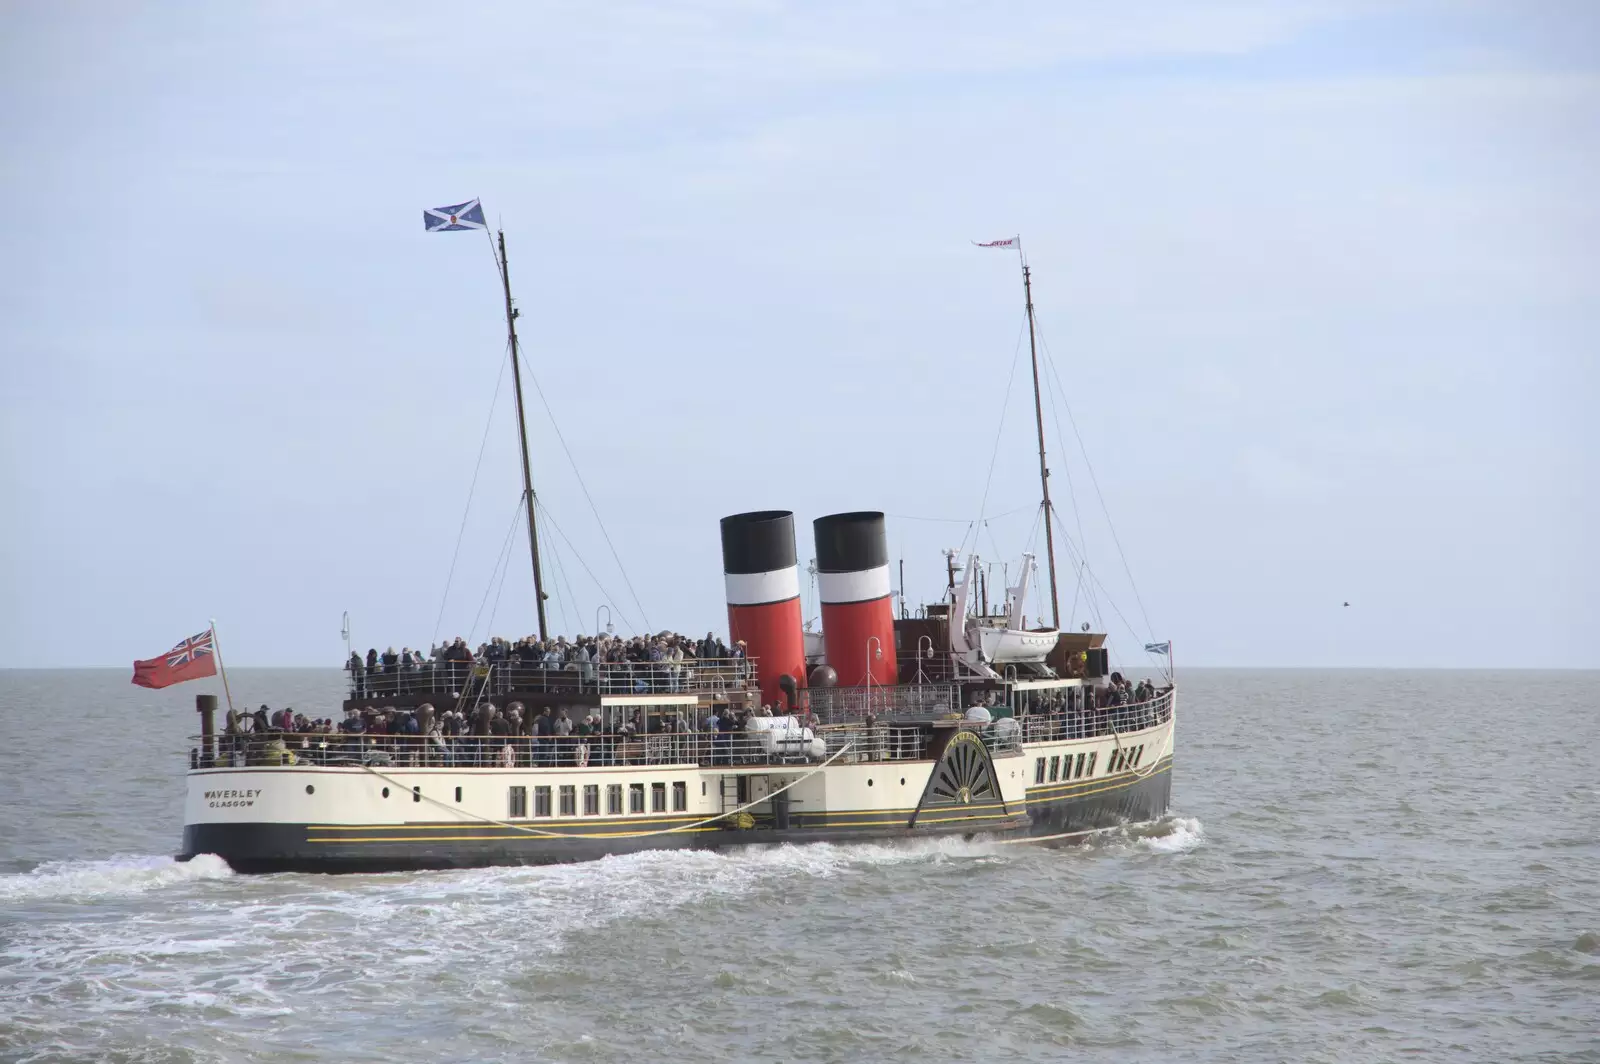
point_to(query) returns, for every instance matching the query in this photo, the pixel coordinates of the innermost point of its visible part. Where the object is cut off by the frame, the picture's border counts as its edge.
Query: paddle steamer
(953, 721)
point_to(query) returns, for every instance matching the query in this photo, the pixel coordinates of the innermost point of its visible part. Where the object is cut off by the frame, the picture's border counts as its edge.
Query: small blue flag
(1157, 648)
(468, 215)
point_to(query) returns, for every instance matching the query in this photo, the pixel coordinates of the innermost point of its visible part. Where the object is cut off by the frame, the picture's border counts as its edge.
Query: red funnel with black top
(853, 582)
(763, 585)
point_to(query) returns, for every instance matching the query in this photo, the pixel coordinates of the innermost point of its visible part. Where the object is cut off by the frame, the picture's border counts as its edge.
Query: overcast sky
(1320, 283)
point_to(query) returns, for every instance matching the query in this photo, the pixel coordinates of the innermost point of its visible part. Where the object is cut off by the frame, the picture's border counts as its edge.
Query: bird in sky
(1347, 603)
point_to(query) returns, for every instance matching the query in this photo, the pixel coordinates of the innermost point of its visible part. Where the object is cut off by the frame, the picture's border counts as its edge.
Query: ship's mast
(1044, 470)
(522, 437)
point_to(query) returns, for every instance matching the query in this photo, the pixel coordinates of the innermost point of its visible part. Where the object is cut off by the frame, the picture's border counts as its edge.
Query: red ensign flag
(192, 659)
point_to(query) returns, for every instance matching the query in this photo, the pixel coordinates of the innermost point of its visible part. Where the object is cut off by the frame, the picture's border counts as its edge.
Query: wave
(1170, 834)
(123, 874)
(1175, 834)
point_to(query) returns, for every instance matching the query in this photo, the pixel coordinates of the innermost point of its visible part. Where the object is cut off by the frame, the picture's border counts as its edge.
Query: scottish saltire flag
(1010, 244)
(1157, 648)
(468, 215)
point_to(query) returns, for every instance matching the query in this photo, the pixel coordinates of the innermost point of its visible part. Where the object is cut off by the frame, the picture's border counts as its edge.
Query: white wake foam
(270, 945)
(116, 875)
(1178, 834)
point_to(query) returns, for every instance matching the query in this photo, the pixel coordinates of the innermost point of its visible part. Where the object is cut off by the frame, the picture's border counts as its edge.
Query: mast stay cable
(999, 431)
(1080, 549)
(963, 520)
(610, 599)
(570, 594)
(503, 558)
(1056, 389)
(537, 390)
(473, 487)
(488, 630)
(1105, 510)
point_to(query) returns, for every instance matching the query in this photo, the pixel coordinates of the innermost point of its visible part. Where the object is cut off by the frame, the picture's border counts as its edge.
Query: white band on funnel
(863, 586)
(758, 589)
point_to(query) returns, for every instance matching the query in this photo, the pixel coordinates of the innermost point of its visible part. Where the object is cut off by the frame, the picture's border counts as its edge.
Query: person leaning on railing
(358, 674)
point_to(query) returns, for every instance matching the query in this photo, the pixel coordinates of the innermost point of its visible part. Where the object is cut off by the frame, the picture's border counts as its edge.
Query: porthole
(458, 794)
(902, 781)
(310, 789)
(416, 794)
(386, 792)
(869, 783)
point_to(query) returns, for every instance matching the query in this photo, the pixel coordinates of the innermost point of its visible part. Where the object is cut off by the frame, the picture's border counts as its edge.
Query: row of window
(1061, 768)
(1125, 757)
(1066, 767)
(567, 797)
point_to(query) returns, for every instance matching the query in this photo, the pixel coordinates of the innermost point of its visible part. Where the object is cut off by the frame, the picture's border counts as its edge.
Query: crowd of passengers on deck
(666, 661)
(487, 735)
(518, 736)
(1093, 710)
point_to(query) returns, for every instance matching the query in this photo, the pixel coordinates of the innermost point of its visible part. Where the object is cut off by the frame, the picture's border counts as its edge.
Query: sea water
(1358, 866)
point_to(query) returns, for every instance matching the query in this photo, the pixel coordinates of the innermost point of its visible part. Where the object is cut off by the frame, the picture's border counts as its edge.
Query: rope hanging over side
(679, 828)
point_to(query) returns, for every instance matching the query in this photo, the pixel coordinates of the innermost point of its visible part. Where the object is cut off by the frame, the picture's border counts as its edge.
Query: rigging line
(1077, 589)
(970, 533)
(1131, 629)
(610, 599)
(1081, 561)
(1033, 532)
(555, 558)
(994, 542)
(1078, 563)
(961, 520)
(503, 558)
(502, 566)
(476, 466)
(572, 596)
(999, 430)
(587, 497)
(1126, 569)
(489, 628)
(1038, 595)
(494, 253)
(1052, 383)
(606, 597)
(1077, 551)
